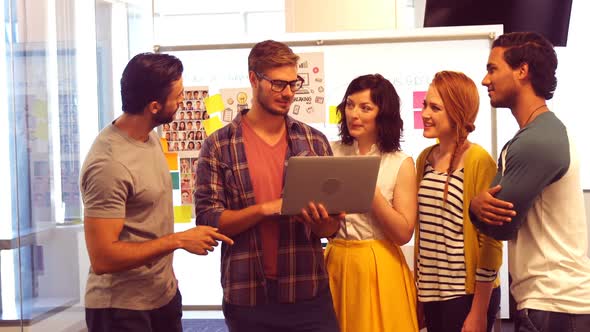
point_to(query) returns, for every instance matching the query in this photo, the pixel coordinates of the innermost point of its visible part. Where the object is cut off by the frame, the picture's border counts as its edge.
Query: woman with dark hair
(456, 265)
(191, 135)
(181, 126)
(371, 283)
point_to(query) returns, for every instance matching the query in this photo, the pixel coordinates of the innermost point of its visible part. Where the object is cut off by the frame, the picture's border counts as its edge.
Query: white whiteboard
(410, 66)
(409, 61)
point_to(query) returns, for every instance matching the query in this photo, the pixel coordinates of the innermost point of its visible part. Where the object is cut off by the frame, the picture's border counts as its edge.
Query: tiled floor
(203, 325)
(203, 321)
(212, 321)
(507, 326)
(202, 314)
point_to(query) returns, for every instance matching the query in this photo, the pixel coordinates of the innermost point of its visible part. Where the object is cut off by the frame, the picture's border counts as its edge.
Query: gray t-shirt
(124, 178)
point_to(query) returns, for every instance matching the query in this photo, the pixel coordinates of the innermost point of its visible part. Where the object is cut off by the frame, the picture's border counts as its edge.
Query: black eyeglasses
(280, 85)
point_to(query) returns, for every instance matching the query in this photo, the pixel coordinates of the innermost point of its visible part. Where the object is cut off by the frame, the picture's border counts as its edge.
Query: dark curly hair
(389, 122)
(536, 51)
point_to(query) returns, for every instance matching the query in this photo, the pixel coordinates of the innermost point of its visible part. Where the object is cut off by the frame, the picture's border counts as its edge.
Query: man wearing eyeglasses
(273, 277)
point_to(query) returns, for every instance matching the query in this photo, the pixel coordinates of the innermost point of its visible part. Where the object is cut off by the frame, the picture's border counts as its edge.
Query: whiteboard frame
(485, 32)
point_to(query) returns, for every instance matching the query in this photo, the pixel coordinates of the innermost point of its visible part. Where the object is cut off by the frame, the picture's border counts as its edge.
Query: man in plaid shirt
(273, 277)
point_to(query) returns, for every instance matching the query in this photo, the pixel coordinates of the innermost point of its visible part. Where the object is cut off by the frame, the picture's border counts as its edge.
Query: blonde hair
(270, 54)
(461, 100)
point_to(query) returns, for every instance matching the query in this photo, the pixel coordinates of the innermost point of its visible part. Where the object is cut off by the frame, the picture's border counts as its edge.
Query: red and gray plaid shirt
(223, 182)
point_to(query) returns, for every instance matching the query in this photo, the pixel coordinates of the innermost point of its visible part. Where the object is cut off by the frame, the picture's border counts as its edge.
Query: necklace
(533, 113)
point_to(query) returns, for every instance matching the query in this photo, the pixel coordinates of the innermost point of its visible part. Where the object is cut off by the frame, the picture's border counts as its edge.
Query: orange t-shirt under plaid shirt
(224, 183)
(267, 182)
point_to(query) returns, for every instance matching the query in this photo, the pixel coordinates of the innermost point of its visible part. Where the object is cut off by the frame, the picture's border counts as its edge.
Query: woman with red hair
(456, 266)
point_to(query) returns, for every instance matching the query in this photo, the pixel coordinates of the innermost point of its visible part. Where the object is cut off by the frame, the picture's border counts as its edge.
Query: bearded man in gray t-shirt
(128, 215)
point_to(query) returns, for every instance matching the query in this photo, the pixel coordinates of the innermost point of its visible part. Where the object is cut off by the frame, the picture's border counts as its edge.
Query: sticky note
(419, 99)
(418, 123)
(172, 159)
(175, 180)
(334, 116)
(164, 144)
(182, 213)
(41, 130)
(214, 104)
(212, 124)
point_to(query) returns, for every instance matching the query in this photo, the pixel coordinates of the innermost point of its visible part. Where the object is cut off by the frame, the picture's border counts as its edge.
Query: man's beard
(161, 117)
(271, 110)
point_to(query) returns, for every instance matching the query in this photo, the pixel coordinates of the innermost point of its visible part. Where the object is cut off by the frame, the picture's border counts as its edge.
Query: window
(185, 22)
(52, 67)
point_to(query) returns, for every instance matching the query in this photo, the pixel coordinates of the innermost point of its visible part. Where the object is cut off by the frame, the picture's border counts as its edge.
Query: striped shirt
(223, 182)
(441, 255)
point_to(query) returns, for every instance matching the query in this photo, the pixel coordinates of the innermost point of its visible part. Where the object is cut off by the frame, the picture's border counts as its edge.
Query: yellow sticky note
(182, 213)
(214, 104)
(212, 124)
(334, 116)
(164, 144)
(172, 159)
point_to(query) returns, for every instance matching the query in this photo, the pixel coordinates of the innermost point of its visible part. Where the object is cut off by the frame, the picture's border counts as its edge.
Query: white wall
(573, 66)
(338, 15)
(571, 71)
(587, 201)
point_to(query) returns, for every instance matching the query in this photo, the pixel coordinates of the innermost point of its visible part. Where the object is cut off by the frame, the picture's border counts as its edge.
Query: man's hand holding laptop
(321, 223)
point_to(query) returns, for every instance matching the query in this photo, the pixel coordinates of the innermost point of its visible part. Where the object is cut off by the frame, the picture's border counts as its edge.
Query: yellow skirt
(372, 286)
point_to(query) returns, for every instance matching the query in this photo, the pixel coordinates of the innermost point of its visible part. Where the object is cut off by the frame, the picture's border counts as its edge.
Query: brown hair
(270, 54)
(461, 101)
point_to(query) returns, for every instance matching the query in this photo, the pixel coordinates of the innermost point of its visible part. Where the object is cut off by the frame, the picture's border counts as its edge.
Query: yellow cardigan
(481, 251)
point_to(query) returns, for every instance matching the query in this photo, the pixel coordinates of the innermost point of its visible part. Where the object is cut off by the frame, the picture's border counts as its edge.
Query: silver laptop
(341, 184)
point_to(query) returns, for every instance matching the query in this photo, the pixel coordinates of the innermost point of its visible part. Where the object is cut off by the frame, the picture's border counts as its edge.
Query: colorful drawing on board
(235, 100)
(308, 105)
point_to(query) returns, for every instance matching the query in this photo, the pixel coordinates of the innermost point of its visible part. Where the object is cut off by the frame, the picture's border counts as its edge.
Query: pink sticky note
(418, 123)
(419, 99)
